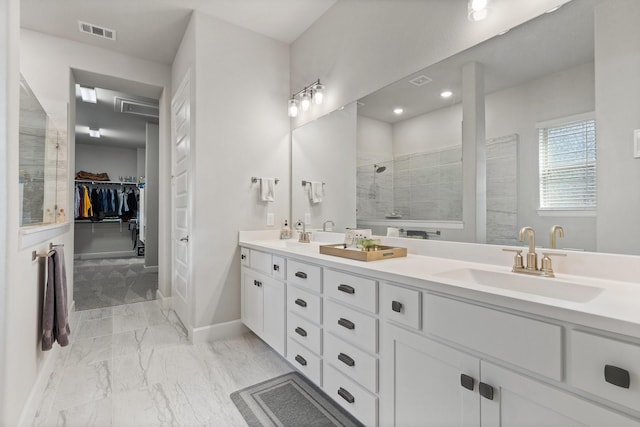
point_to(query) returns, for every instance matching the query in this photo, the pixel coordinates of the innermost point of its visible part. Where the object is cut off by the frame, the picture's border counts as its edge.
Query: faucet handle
(546, 266)
(518, 260)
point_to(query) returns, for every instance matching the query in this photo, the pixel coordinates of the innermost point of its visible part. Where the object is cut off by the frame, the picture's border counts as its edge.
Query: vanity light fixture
(398, 110)
(446, 94)
(94, 133)
(314, 93)
(477, 10)
(88, 94)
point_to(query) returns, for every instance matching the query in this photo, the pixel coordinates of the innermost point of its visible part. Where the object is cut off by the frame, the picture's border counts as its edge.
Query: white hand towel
(316, 191)
(267, 189)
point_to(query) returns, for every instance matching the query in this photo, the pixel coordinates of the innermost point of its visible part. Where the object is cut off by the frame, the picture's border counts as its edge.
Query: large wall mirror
(539, 83)
(43, 178)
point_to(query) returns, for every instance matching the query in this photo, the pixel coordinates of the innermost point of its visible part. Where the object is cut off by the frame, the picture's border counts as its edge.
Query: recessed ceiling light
(446, 94)
(94, 133)
(88, 94)
(398, 111)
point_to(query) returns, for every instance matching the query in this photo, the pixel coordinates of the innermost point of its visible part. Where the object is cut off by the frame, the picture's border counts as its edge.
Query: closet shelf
(86, 181)
(108, 220)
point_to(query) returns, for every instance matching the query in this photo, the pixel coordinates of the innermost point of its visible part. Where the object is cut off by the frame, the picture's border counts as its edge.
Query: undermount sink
(542, 286)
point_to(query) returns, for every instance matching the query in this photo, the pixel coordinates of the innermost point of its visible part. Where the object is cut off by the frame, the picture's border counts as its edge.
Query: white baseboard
(219, 331)
(98, 255)
(165, 302)
(152, 269)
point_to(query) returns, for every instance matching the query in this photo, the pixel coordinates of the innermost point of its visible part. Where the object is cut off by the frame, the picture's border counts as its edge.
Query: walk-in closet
(115, 198)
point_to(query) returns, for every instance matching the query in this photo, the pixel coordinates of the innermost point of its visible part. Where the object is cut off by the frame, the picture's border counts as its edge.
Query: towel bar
(51, 245)
(35, 255)
(305, 182)
(256, 179)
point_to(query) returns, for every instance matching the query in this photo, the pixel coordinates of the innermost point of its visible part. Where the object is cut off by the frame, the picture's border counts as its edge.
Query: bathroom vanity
(425, 340)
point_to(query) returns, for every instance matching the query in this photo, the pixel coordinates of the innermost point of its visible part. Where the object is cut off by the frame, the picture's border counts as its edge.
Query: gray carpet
(109, 282)
(290, 400)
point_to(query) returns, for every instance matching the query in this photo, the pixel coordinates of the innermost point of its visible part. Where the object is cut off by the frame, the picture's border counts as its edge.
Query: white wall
(151, 195)
(357, 47)
(428, 132)
(239, 96)
(325, 150)
(115, 161)
(374, 141)
(141, 156)
(9, 111)
(618, 99)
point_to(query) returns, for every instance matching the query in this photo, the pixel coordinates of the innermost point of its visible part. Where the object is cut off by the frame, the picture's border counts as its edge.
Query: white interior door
(181, 203)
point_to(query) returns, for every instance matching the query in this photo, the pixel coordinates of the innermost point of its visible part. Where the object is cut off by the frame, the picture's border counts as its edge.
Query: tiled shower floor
(109, 282)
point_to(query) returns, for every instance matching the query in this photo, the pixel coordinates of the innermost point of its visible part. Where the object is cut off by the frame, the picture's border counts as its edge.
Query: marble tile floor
(132, 365)
(112, 281)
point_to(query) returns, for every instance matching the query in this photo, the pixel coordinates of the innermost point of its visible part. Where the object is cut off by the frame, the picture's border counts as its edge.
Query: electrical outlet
(270, 219)
(307, 218)
(636, 143)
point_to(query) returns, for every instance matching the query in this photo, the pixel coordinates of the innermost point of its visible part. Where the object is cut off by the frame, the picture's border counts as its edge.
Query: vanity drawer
(260, 261)
(304, 275)
(352, 326)
(360, 366)
(359, 402)
(278, 267)
(304, 361)
(358, 291)
(401, 305)
(602, 366)
(527, 343)
(304, 304)
(245, 257)
(305, 332)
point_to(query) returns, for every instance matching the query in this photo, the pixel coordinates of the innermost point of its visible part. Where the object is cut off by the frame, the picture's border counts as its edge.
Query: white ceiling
(153, 29)
(547, 44)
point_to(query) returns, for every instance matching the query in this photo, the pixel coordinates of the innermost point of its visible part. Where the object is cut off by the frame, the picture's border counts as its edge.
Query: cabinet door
(421, 382)
(252, 295)
(521, 401)
(274, 314)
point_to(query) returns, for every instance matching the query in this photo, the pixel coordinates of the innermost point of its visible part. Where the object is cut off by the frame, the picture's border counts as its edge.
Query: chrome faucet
(324, 225)
(531, 267)
(560, 232)
(305, 236)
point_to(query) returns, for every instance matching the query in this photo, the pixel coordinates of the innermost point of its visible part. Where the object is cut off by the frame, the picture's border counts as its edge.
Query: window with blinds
(568, 166)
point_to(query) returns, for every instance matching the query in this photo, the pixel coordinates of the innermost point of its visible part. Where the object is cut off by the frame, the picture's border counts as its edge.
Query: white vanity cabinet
(263, 297)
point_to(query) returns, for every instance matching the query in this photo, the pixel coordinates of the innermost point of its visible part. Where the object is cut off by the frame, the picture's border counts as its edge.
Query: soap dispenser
(285, 232)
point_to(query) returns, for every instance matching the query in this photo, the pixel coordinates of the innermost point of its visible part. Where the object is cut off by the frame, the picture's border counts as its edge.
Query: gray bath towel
(55, 315)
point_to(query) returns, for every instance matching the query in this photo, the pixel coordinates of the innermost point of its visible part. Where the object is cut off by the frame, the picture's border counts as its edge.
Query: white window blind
(568, 166)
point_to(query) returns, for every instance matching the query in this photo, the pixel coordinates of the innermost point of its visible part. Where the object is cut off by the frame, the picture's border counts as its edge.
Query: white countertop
(616, 308)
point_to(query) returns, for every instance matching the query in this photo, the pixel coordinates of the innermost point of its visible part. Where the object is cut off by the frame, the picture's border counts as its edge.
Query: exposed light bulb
(318, 93)
(293, 108)
(478, 5)
(305, 101)
(477, 10)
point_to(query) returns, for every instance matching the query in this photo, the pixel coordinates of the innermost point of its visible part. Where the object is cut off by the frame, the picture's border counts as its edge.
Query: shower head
(379, 169)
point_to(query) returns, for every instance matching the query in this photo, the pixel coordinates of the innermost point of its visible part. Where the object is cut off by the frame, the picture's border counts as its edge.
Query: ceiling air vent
(129, 106)
(420, 80)
(97, 31)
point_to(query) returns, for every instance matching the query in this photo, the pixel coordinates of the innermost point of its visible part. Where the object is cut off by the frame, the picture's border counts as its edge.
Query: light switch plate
(307, 218)
(270, 219)
(636, 143)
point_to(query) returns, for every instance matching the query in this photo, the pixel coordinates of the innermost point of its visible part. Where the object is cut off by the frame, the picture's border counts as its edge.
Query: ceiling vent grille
(129, 106)
(97, 31)
(420, 80)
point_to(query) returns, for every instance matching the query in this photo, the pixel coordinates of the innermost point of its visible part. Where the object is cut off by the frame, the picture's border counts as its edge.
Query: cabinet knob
(301, 274)
(346, 323)
(467, 382)
(301, 332)
(302, 303)
(396, 306)
(346, 359)
(346, 395)
(243, 256)
(257, 283)
(616, 376)
(486, 391)
(276, 267)
(346, 289)
(301, 360)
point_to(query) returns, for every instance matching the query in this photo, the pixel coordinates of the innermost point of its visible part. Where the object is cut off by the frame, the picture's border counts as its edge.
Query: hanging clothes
(87, 210)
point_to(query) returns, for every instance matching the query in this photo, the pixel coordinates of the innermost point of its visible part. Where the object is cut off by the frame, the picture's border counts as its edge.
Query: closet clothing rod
(256, 179)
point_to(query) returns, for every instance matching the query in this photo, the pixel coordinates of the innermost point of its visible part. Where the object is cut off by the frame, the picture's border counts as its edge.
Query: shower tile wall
(502, 190)
(429, 185)
(374, 193)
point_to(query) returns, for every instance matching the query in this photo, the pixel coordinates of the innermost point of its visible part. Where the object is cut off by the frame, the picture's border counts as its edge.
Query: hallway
(132, 365)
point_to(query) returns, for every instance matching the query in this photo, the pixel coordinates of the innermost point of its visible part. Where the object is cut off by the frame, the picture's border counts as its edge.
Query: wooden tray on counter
(374, 254)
